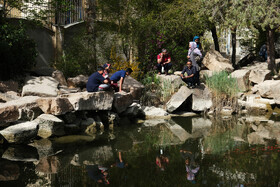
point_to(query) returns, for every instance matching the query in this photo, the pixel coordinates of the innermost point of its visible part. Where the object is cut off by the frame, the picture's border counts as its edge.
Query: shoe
(159, 73)
(166, 73)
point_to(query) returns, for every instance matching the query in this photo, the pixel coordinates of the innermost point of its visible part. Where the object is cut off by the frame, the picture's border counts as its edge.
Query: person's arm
(198, 52)
(169, 60)
(120, 156)
(121, 83)
(182, 73)
(159, 58)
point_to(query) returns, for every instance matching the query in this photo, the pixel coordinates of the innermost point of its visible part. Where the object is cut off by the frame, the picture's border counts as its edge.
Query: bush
(17, 51)
(224, 90)
(152, 91)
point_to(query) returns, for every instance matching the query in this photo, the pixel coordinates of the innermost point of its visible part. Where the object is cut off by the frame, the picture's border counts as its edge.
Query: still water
(154, 153)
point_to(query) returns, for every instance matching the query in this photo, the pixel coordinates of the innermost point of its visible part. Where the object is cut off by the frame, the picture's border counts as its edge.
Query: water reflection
(190, 151)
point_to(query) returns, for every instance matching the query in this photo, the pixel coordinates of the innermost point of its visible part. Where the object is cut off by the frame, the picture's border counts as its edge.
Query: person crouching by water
(162, 161)
(96, 82)
(163, 61)
(190, 70)
(119, 76)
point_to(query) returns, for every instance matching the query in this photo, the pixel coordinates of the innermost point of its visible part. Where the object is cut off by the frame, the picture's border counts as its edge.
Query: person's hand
(188, 56)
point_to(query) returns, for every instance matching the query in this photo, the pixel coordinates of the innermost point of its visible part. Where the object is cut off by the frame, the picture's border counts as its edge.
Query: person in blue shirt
(191, 72)
(120, 76)
(96, 82)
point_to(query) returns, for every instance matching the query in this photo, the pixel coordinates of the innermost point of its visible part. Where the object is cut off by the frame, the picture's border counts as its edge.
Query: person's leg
(197, 81)
(103, 87)
(158, 68)
(167, 67)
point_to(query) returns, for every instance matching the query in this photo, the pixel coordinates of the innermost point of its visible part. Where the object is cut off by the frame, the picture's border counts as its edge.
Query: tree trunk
(270, 34)
(233, 43)
(215, 38)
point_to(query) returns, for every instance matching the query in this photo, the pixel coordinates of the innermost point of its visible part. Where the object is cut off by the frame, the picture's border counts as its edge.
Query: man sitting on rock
(191, 71)
(119, 76)
(163, 61)
(96, 82)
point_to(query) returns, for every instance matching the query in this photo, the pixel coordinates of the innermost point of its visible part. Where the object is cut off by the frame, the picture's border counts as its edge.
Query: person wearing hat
(107, 68)
(163, 61)
(119, 76)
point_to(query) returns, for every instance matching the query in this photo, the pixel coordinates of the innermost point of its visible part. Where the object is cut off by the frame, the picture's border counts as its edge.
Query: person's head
(192, 45)
(164, 51)
(129, 71)
(196, 39)
(100, 69)
(107, 66)
(187, 162)
(189, 64)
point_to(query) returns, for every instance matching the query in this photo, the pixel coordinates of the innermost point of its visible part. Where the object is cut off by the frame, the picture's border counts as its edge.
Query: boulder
(153, 112)
(65, 90)
(178, 132)
(204, 73)
(178, 99)
(214, 61)
(259, 72)
(9, 85)
(55, 105)
(226, 111)
(171, 81)
(8, 96)
(44, 147)
(21, 133)
(21, 153)
(133, 86)
(40, 86)
(134, 111)
(90, 101)
(58, 75)
(242, 77)
(269, 89)
(122, 100)
(201, 98)
(50, 125)
(255, 138)
(78, 82)
(48, 165)
(178, 73)
(19, 109)
(153, 122)
(255, 104)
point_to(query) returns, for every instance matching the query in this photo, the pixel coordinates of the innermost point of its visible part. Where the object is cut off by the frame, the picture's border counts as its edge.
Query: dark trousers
(167, 67)
(190, 81)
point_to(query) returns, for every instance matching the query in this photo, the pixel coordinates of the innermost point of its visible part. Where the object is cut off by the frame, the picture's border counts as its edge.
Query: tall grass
(224, 90)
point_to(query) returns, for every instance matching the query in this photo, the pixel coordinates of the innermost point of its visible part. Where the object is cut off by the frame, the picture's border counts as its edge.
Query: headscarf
(193, 45)
(196, 37)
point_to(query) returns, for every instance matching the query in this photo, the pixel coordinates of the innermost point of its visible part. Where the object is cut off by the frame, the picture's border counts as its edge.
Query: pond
(154, 153)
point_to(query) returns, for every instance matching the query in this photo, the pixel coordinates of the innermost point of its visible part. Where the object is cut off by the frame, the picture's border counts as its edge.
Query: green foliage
(78, 57)
(222, 84)
(17, 51)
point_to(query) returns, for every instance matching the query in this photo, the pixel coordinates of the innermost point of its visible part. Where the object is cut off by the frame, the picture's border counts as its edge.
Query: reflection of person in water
(162, 161)
(119, 162)
(97, 173)
(191, 167)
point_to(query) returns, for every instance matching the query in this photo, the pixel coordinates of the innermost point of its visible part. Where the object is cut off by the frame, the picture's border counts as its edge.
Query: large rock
(170, 81)
(178, 99)
(214, 61)
(10, 85)
(242, 77)
(21, 133)
(134, 110)
(8, 96)
(268, 89)
(133, 86)
(44, 147)
(201, 98)
(55, 106)
(50, 125)
(91, 101)
(259, 72)
(153, 112)
(255, 104)
(58, 75)
(179, 132)
(25, 107)
(79, 81)
(122, 100)
(48, 165)
(40, 86)
(21, 153)
(205, 73)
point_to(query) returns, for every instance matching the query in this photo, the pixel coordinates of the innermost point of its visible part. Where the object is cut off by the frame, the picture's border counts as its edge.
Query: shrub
(152, 91)
(17, 51)
(224, 90)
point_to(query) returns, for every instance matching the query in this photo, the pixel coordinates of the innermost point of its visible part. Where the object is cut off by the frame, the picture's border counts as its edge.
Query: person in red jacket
(163, 61)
